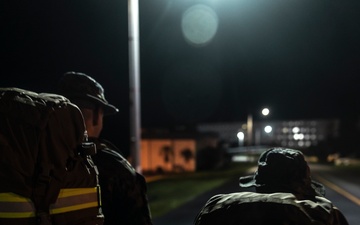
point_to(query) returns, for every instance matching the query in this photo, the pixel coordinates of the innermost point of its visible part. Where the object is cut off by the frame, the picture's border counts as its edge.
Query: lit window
(295, 130)
(298, 136)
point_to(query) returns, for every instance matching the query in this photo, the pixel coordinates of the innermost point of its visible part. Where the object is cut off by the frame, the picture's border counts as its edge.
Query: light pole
(134, 82)
(250, 127)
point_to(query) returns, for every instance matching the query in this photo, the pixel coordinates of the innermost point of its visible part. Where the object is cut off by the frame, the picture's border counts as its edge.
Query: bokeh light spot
(199, 24)
(268, 129)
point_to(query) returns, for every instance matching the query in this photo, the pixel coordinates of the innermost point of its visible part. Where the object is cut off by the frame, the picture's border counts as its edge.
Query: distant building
(168, 155)
(174, 151)
(163, 151)
(293, 133)
(169, 151)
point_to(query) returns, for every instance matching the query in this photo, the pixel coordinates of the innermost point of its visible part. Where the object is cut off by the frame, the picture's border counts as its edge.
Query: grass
(174, 190)
(352, 170)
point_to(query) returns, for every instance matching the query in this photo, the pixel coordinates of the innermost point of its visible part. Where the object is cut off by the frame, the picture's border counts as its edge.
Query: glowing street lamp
(265, 111)
(241, 136)
(268, 129)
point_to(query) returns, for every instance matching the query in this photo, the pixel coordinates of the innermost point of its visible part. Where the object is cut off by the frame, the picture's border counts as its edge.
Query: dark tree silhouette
(187, 154)
(168, 153)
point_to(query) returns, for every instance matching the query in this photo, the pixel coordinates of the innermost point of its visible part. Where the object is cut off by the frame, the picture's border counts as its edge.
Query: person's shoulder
(251, 208)
(247, 197)
(108, 156)
(240, 205)
(106, 144)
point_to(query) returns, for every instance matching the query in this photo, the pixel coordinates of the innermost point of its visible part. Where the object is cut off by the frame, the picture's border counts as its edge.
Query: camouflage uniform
(260, 209)
(123, 190)
(285, 194)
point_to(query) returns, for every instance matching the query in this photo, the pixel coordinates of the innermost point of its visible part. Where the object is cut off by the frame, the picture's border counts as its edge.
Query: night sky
(300, 58)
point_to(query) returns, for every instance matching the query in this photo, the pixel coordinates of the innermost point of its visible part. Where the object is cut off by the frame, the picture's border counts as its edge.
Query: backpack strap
(48, 182)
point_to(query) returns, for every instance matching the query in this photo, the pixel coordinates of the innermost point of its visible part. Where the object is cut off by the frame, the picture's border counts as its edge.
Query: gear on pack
(261, 209)
(46, 171)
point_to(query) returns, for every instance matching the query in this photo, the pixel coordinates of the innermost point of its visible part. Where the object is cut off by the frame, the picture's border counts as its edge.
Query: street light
(265, 111)
(240, 135)
(268, 129)
(250, 126)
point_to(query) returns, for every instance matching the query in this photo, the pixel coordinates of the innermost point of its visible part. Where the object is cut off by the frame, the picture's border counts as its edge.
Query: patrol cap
(84, 91)
(280, 166)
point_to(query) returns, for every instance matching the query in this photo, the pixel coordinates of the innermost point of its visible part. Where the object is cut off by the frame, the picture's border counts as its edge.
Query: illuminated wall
(168, 155)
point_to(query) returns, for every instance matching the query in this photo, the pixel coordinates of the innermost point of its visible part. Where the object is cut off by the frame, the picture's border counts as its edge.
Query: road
(342, 189)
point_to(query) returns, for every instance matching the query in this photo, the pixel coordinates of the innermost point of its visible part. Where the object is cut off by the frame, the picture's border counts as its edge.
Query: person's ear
(96, 116)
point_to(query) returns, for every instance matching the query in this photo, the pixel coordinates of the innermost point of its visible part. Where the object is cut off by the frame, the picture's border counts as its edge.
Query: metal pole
(257, 137)
(134, 73)
(249, 128)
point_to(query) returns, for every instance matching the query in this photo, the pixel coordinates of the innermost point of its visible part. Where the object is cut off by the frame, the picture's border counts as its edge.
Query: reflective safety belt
(15, 206)
(72, 199)
(75, 199)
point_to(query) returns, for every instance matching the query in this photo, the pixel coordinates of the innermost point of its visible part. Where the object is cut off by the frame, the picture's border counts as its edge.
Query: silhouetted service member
(123, 190)
(285, 194)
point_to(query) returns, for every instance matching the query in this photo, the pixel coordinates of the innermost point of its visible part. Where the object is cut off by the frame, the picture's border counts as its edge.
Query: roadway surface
(341, 188)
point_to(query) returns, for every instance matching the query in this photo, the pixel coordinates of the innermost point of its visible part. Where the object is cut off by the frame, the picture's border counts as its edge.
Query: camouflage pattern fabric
(247, 208)
(123, 190)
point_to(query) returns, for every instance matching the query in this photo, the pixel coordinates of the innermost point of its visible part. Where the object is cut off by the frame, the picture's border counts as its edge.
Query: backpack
(46, 171)
(249, 208)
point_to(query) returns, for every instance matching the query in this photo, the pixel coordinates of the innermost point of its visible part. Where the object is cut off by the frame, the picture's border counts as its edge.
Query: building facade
(299, 134)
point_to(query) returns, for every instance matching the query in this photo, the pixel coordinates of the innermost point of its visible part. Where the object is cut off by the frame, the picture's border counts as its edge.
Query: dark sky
(300, 58)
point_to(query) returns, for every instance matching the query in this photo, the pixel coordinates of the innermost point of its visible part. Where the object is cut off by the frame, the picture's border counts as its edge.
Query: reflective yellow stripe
(11, 197)
(76, 191)
(15, 206)
(13, 215)
(73, 208)
(72, 199)
(75, 199)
